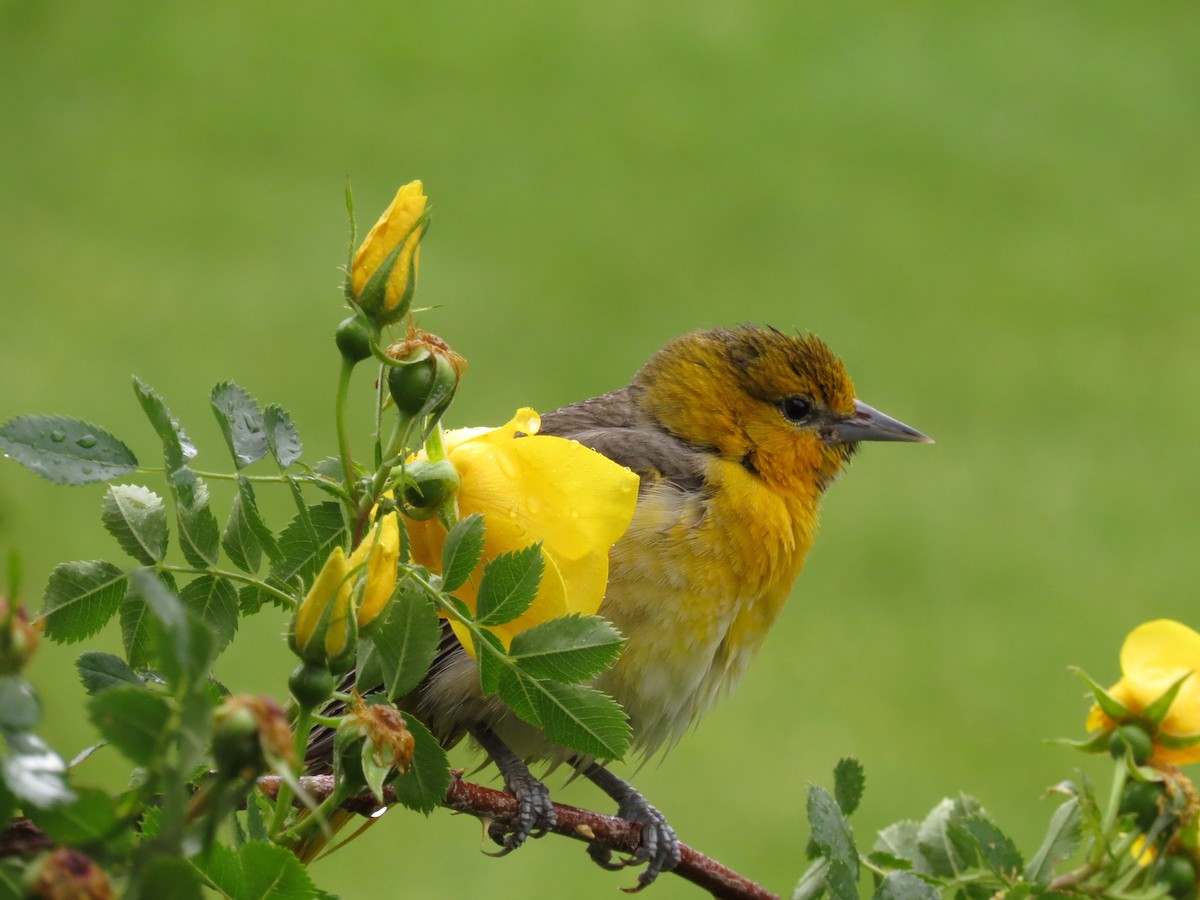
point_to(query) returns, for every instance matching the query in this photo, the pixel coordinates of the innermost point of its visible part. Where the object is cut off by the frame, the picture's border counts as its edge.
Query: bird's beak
(868, 424)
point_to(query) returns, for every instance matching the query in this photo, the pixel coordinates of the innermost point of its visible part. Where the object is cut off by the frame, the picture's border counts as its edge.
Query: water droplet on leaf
(87, 441)
(57, 436)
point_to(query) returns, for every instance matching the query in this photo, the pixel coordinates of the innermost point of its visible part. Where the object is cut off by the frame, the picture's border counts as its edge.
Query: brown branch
(580, 824)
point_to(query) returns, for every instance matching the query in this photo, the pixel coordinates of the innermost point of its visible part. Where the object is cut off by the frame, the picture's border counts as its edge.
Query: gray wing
(614, 425)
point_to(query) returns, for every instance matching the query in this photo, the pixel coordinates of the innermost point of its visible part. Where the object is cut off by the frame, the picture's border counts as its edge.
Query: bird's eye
(796, 409)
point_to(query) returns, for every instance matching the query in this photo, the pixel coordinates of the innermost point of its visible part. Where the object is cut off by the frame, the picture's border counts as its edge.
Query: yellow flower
(398, 225)
(1153, 658)
(549, 489)
(380, 551)
(320, 630)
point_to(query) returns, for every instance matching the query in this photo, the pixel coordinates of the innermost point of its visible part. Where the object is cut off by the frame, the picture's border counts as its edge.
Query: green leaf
(90, 817)
(99, 670)
(490, 652)
(20, 708)
(273, 873)
(167, 878)
(136, 634)
(199, 533)
(1061, 840)
(812, 883)
(306, 542)
(406, 641)
(848, 781)
(572, 714)
(281, 436)
(223, 867)
(996, 849)
(509, 584)
(80, 598)
(215, 601)
(424, 786)
(137, 518)
(940, 839)
(569, 648)
(840, 881)
(900, 840)
(241, 423)
(904, 886)
(239, 540)
(132, 719)
(33, 772)
(186, 644)
(462, 551)
(65, 451)
(254, 519)
(177, 449)
(832, 834)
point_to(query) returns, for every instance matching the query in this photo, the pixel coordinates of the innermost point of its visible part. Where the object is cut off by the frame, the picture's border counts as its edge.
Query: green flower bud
(427, 485)
(246, 730)
(353, 340)
(1178, 873)
(1134, 739)
(1142, 799)
(311, 684)
(425, 378)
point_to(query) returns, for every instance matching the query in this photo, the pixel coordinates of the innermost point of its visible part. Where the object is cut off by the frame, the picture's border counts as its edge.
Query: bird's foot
(535, 813)
(658, 846)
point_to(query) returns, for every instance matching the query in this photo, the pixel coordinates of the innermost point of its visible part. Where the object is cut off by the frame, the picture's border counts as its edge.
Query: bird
(735, 434)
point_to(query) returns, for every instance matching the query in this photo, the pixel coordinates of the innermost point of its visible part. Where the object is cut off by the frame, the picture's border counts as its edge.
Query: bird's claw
(535, 814)
(658, 846)
(602, 856)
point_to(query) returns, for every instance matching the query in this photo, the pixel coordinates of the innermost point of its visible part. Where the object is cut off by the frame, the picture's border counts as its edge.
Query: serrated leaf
(306, 543)
(281, 436)
(509, 584)
(491, 656)
(137, 518)
(881, 859)
(900, 840)
(241, 423)
(239, 541)
(132, 719)
(215, 601)
(199, 533)
(840, 881)
(424, 786)
(136, 636)
(406, 641)
(568, 648)
(1061, 840)
(940, 845)
(273, 873)
(572, 714)
(904, 886)
(168, 878)
(185, 643)
(20, 708)
(996, 849)
(254, 519)
(91, 816)
(99, 670)
(65, 451)
(812, 883)
(223, 868)
(33, 772)
(80, 598)
(831, 831)
(848, 781)
(177, 448)
(462, 551)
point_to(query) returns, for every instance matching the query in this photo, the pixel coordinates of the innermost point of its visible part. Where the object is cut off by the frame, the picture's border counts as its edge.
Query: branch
(580, 824)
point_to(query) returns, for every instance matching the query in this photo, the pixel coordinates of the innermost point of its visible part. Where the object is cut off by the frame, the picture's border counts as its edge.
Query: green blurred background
(990, 210)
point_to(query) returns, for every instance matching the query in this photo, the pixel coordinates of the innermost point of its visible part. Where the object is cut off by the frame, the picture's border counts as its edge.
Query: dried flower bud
(67, 874)
(18, 639)
(427, 375)
(247, 733)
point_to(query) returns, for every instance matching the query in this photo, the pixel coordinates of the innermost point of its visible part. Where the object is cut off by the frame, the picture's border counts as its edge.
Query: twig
(580, 824)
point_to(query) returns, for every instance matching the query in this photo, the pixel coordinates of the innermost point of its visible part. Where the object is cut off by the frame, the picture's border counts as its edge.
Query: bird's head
(781, 405)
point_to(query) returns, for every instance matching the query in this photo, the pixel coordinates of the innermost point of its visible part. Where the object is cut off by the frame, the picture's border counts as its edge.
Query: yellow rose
(1153, 658)
(575, 501)
(400, 226)
(322, 619)
(378, 553)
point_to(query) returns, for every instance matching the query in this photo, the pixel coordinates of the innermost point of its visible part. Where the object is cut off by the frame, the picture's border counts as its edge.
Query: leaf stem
(232, 576)
(284, 800)
(343, 436)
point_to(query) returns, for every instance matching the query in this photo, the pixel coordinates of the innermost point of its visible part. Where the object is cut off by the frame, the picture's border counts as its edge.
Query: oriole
(735, 434)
